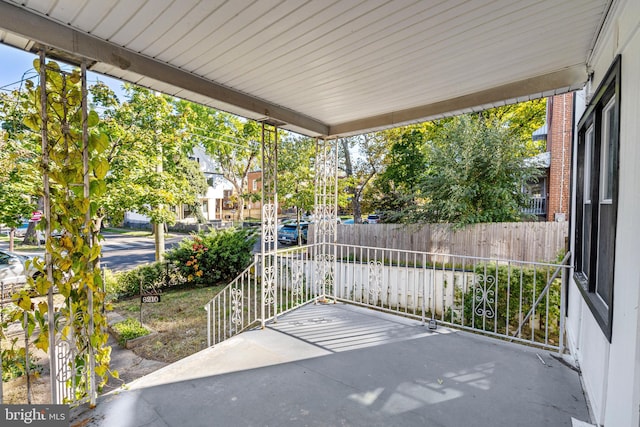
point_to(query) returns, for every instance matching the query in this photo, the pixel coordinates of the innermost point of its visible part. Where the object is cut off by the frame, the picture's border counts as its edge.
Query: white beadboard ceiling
(323, 67)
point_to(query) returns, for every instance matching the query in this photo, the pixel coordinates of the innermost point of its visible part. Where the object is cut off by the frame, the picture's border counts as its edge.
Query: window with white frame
(597, 198)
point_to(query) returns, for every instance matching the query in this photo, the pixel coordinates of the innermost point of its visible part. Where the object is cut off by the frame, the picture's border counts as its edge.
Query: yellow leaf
(42, 307)
(101, 168)
(24, 302)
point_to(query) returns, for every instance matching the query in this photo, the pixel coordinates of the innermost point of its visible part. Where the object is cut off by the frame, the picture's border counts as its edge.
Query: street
(121, 252)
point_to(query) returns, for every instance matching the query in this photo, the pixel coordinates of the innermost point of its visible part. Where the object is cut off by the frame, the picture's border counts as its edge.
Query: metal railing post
(563, 310)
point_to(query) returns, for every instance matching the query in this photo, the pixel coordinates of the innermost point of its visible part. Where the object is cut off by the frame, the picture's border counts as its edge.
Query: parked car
(348, 221)
(373, 219)
(13, 268)
(288, 233)
(21, 230)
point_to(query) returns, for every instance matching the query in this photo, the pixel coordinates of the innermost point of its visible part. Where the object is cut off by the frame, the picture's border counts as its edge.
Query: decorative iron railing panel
(521, 301)
(235, 308)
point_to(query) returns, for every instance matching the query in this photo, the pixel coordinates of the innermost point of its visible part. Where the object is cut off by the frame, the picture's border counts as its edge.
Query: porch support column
(53, 369)
(269, 240)
(325, 217)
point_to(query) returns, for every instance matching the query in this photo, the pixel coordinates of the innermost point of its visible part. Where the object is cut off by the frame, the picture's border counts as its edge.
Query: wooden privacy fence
(522, 241)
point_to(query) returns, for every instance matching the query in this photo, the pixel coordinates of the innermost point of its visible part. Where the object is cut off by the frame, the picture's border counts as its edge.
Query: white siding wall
(611, 372)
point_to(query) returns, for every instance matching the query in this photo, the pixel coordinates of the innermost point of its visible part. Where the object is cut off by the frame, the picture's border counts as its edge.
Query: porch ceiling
(323, 67)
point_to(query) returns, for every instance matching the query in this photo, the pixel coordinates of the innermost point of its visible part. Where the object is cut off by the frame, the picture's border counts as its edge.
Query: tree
(19, 176)
(233, 143)
(522, 119)
(397, 185)
(296, 157)
(475, 174)
(150, 169)
(363, 160)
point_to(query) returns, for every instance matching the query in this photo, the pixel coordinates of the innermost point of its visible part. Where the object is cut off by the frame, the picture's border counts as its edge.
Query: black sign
(150, 298)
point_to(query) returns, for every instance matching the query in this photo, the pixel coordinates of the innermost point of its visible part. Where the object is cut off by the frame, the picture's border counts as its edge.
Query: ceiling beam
(84, 46)
(561, 81)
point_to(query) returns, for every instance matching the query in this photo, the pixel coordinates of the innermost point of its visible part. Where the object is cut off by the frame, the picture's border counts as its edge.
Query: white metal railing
(521, 301)
(244, 303)
(515, 300)
(234, 308)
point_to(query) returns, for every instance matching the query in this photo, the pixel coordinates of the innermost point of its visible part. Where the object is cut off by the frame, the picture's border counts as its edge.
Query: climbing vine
(74, 166)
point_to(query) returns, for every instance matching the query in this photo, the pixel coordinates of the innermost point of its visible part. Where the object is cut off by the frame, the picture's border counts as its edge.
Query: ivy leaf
(42, 342)
(100, 168)
(32, 122)
(93, 119)
(98, 142)
(101, 370)
(24, 302)
(42, 308)
(97, 188)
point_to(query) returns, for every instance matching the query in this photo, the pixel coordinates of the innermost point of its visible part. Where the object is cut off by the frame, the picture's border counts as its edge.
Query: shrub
(209, 258)
(129, 329)
(14, 362)
(512, 292)
(127, 283)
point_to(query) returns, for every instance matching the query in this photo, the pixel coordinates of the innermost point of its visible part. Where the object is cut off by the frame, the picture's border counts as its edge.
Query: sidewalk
(129, 366)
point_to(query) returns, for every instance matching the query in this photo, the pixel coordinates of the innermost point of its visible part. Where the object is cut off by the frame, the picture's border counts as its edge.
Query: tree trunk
(357, 210)
(12, 233)
(30, 237)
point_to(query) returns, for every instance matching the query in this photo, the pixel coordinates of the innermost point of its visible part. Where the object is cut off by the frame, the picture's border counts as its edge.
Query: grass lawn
(179, 320)
(18, 246)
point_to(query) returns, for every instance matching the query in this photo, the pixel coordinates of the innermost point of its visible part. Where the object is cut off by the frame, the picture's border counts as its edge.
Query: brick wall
(559, 137)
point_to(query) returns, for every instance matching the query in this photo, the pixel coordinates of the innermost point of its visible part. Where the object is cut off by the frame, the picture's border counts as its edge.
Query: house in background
(252, 201)
(212, 203)
(253, 206)
(550, 193)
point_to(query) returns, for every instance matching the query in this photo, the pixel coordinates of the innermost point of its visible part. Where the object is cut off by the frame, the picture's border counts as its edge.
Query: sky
(14, 63)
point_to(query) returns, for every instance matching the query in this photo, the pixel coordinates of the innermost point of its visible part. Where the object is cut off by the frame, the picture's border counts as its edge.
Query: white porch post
(269, 237)
(325, 217)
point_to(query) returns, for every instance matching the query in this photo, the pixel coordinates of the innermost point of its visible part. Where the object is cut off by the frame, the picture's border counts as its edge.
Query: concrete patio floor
(341, 365)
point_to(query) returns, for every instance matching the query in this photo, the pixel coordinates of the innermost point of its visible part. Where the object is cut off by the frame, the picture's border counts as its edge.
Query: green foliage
(475, 174)
(509, 293)
(233, 143)
(147, 278)
(522, 119)
(209, 258)
(148, 155)
(14, 362)
(362, 159)
(19, 175)
(295, 173)
(465, 169)
(398, 183)
(73, 257)
(128, 330)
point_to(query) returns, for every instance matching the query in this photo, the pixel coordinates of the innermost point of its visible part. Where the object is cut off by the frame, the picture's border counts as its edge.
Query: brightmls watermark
(34, 415)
